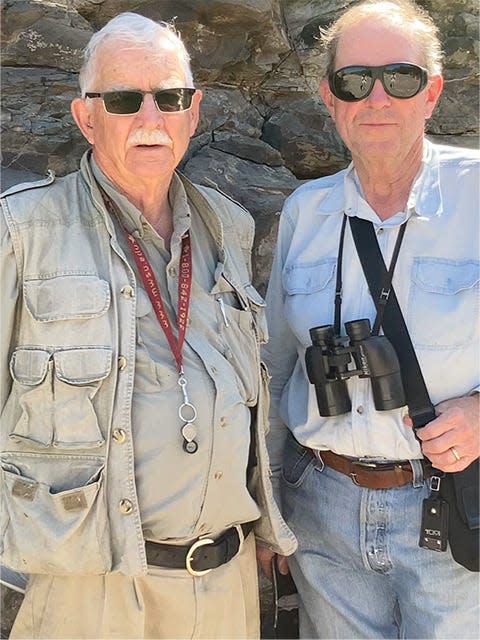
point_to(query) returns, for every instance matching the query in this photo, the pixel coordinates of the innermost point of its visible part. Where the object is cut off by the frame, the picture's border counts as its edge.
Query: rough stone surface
(263, 129)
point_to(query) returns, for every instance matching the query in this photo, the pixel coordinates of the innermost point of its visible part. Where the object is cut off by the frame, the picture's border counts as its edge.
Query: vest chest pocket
(56, 392)
(443, 302)
(66, 297)
(240, 313)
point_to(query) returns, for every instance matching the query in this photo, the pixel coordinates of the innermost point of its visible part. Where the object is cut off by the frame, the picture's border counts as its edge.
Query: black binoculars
(374, 357)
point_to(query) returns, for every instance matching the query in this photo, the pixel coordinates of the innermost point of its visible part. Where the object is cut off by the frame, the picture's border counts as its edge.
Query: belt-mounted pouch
(461, 491)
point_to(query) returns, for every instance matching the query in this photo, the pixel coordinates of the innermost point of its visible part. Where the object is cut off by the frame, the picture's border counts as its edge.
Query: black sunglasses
(126, 102)
(399, 79)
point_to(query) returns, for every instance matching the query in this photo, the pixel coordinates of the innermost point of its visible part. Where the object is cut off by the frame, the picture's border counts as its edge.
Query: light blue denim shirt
(436, 281)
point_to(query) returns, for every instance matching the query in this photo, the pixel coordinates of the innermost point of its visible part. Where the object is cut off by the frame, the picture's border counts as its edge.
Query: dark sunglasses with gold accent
(400, 80)
(126, 102)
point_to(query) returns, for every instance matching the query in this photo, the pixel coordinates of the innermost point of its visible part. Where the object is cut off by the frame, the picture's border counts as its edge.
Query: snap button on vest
(125, 506)
(119, 436)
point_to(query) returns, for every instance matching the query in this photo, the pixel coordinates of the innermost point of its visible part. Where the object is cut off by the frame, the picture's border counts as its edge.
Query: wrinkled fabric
(74, 404)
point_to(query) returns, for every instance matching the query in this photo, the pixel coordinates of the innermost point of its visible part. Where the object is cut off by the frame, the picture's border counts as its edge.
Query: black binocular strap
(421, 409)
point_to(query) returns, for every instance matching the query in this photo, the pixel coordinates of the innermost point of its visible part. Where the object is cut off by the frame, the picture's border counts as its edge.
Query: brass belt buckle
(201, 542)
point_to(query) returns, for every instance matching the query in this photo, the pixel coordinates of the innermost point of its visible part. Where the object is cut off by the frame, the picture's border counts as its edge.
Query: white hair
(405, 15)
(140, 32)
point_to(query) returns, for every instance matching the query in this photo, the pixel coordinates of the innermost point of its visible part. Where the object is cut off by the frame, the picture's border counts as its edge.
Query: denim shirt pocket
(310, 289)
(56, 391)
(310, 277)
(443, 292)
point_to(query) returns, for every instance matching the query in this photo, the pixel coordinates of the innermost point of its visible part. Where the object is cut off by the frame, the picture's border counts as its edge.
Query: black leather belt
(201, 556)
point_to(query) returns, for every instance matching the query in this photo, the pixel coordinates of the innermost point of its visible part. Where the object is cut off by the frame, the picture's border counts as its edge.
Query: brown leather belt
(371, 475)
(200, 556)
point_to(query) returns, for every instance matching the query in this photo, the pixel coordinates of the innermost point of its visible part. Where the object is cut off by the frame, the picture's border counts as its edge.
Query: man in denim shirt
(352, 484)
(134, 403)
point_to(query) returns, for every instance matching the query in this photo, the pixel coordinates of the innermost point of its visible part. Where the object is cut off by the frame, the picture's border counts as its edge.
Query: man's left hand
(266, 556)
(451, 441)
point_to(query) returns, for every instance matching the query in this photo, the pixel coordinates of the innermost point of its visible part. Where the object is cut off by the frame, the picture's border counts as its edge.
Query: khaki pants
(166, 603)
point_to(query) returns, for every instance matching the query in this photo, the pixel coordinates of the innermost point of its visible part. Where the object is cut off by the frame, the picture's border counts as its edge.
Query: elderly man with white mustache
(133, 397)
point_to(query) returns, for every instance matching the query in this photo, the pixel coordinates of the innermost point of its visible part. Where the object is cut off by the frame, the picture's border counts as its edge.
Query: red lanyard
(153, 290)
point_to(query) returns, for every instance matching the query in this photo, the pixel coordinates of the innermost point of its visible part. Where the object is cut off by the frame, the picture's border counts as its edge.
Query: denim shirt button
(122, 363)
(360, 409)
(125, 506)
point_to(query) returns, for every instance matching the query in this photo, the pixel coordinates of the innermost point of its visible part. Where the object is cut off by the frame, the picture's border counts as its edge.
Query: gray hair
(407, 16)
(139, 31)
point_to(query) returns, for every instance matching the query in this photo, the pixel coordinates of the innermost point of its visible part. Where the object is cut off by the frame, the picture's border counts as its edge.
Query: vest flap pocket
(254, 298)
(66, 297)
(308, 278)
(53, 516)
(29, 366)
(83, 365)
(446, 277)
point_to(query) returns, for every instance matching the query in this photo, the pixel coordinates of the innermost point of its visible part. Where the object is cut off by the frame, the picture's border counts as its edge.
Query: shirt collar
(425, 198)
(132, 218)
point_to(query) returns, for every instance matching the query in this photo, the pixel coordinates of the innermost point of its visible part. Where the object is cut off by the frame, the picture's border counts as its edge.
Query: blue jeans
(359, 570)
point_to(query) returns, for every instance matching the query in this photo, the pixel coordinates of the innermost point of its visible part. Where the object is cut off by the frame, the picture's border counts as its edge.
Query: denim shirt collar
(425, 198)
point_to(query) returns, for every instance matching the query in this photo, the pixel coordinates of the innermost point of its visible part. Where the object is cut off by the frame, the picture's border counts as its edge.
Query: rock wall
(263, 128)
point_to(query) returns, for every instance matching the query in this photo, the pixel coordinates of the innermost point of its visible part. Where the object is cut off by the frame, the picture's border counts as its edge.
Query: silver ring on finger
(455, 453)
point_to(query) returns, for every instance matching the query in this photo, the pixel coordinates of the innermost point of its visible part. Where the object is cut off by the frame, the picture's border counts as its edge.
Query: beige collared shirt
(181, 494)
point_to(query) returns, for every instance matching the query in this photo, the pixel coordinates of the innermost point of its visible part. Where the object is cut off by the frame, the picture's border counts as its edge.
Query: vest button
(125, 506)
(119, 436)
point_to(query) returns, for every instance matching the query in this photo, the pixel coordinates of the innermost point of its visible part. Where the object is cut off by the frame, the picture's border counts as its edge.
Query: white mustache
(144, 137)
